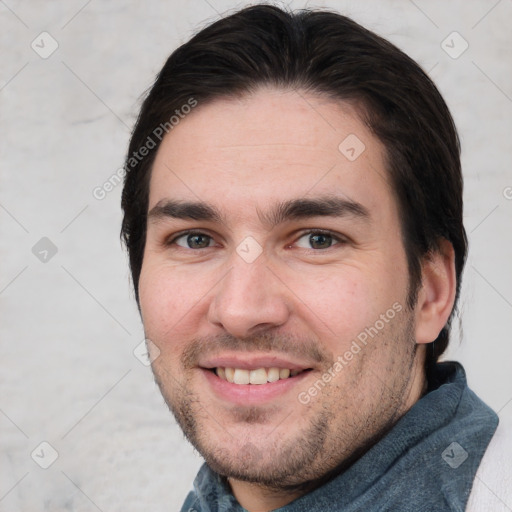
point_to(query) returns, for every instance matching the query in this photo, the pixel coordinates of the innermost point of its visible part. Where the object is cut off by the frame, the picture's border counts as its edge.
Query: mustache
(284, 344)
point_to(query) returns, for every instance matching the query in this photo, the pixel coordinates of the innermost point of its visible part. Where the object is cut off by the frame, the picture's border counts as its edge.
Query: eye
(194, 241)
(317, 240)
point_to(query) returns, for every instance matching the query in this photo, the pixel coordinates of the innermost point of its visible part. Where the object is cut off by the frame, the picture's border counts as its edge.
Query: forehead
(270, 146)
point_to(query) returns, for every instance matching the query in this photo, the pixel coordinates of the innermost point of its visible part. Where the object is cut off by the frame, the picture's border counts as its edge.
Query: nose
(249, 299)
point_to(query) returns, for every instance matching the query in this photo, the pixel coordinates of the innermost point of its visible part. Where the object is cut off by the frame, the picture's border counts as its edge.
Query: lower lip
(250, 394)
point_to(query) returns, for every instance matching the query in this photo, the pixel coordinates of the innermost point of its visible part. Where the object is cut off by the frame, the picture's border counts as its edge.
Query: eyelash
(337, 239)
(172, 241)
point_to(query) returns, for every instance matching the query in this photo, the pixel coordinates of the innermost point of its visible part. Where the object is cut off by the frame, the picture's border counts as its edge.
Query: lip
(254, 361)
(251, 394)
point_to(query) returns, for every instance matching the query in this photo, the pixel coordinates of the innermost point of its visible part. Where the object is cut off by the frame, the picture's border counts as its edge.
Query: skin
(303, 300)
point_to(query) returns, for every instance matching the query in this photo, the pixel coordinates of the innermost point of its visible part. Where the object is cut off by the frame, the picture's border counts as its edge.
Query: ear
(437, 293)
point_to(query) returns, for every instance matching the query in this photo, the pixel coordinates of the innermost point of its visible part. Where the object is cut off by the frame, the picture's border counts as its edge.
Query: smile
(257, 376)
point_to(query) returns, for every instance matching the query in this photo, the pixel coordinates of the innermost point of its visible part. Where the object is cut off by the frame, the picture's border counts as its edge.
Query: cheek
(337, 304)
(172, 303)
(152, 297)
(341, 303)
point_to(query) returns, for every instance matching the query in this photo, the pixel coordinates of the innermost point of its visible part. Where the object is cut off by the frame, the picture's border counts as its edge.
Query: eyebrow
(188, 210)
(294, 209)
(324, 206)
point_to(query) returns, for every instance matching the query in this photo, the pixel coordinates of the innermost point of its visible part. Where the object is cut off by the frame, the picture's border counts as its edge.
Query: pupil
(320, 241)
(197, 241)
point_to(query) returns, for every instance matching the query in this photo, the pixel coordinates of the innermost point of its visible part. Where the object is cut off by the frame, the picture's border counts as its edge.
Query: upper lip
(247, 361)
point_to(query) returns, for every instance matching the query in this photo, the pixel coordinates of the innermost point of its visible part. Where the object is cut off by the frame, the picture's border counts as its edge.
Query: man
(293, 216)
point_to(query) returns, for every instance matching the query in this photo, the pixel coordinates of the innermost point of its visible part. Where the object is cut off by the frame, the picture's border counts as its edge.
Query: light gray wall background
(69, 324)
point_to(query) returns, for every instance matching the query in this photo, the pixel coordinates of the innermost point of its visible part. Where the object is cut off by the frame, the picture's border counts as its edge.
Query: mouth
(258, 376)
(254, 379)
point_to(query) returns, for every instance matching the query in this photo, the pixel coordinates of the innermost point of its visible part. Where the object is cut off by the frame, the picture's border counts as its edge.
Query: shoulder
(492, 486)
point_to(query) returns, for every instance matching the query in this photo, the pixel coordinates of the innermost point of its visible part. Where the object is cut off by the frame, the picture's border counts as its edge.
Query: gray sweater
(426, 463)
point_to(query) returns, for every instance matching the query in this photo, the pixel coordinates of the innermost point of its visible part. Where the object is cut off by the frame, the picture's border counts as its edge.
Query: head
(293, 194)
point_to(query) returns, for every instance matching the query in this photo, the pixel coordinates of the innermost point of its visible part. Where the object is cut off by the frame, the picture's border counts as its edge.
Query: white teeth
(241, 376)
(230, 374)
(273, 374)
(258, 376)
(284, 373)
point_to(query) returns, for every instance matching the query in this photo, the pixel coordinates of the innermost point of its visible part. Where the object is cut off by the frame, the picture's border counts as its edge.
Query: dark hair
(328, 54)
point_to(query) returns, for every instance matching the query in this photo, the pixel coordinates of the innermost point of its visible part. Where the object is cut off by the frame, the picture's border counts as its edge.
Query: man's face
(271, 248)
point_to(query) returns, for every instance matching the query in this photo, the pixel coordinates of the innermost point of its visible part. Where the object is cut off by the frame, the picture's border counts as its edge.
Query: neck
(255, 498)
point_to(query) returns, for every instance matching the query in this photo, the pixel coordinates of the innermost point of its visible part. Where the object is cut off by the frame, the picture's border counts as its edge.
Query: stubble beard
(335, 435)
